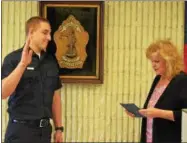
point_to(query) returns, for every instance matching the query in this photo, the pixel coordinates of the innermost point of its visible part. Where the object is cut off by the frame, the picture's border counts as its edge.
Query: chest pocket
(52, 73)
(30, 75)
(51, 79)
(29, 80)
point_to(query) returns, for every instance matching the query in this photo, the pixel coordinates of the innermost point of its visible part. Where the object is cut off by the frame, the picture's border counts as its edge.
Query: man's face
(158, 64)
(41, 36)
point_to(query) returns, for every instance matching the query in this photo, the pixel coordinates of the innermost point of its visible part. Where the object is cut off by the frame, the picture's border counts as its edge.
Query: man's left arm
(57, 115)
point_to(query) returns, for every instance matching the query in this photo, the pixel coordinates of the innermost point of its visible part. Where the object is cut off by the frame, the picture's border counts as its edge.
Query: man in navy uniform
(30, 78)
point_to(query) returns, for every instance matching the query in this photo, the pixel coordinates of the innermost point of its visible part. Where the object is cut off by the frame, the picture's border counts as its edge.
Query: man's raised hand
(26, 57)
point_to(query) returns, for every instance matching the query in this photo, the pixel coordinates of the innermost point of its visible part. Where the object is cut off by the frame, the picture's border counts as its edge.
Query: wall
(91, 113)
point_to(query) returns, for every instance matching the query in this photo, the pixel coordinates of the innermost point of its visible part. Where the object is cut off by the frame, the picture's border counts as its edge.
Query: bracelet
(59, 128)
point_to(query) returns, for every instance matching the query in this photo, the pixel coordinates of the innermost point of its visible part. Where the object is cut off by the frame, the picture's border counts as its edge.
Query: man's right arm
(10, 83)
(13, 76)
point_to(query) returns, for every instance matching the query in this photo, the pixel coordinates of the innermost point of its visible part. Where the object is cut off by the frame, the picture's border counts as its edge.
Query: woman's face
(158, 64)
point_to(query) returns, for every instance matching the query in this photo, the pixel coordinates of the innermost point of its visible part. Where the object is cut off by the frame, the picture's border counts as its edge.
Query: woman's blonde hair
(167, 51)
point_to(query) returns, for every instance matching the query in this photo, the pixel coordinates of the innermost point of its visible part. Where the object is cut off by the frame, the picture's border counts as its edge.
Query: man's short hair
(33, 22)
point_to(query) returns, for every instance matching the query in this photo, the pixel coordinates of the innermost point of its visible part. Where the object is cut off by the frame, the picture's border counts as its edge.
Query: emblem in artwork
(71, 40)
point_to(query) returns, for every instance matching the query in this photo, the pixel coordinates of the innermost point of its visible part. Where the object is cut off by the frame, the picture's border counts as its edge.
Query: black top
(32, 98)
(173, 98)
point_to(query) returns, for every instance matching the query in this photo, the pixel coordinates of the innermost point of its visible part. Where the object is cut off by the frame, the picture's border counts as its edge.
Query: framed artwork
(185, 38)
(77, 38)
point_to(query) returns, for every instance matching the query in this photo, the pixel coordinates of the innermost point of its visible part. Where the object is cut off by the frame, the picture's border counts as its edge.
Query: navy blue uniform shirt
(32, 98)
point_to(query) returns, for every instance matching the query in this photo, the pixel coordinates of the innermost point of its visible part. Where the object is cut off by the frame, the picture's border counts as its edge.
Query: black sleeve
(183, 98)
(7, 67)
(183, 93)
(59, 82)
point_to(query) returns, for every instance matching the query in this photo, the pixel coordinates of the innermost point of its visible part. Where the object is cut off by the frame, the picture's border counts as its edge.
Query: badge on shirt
(30, 68)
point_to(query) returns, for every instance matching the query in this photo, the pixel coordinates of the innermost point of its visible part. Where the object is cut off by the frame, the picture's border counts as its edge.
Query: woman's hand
(150, 112)
(130, 114)
(157, 113)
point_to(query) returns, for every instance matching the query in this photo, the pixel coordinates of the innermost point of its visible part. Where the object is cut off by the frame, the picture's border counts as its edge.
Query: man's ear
(31, 31)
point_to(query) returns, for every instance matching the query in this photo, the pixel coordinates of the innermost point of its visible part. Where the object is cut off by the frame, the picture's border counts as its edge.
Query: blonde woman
(167, 96)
